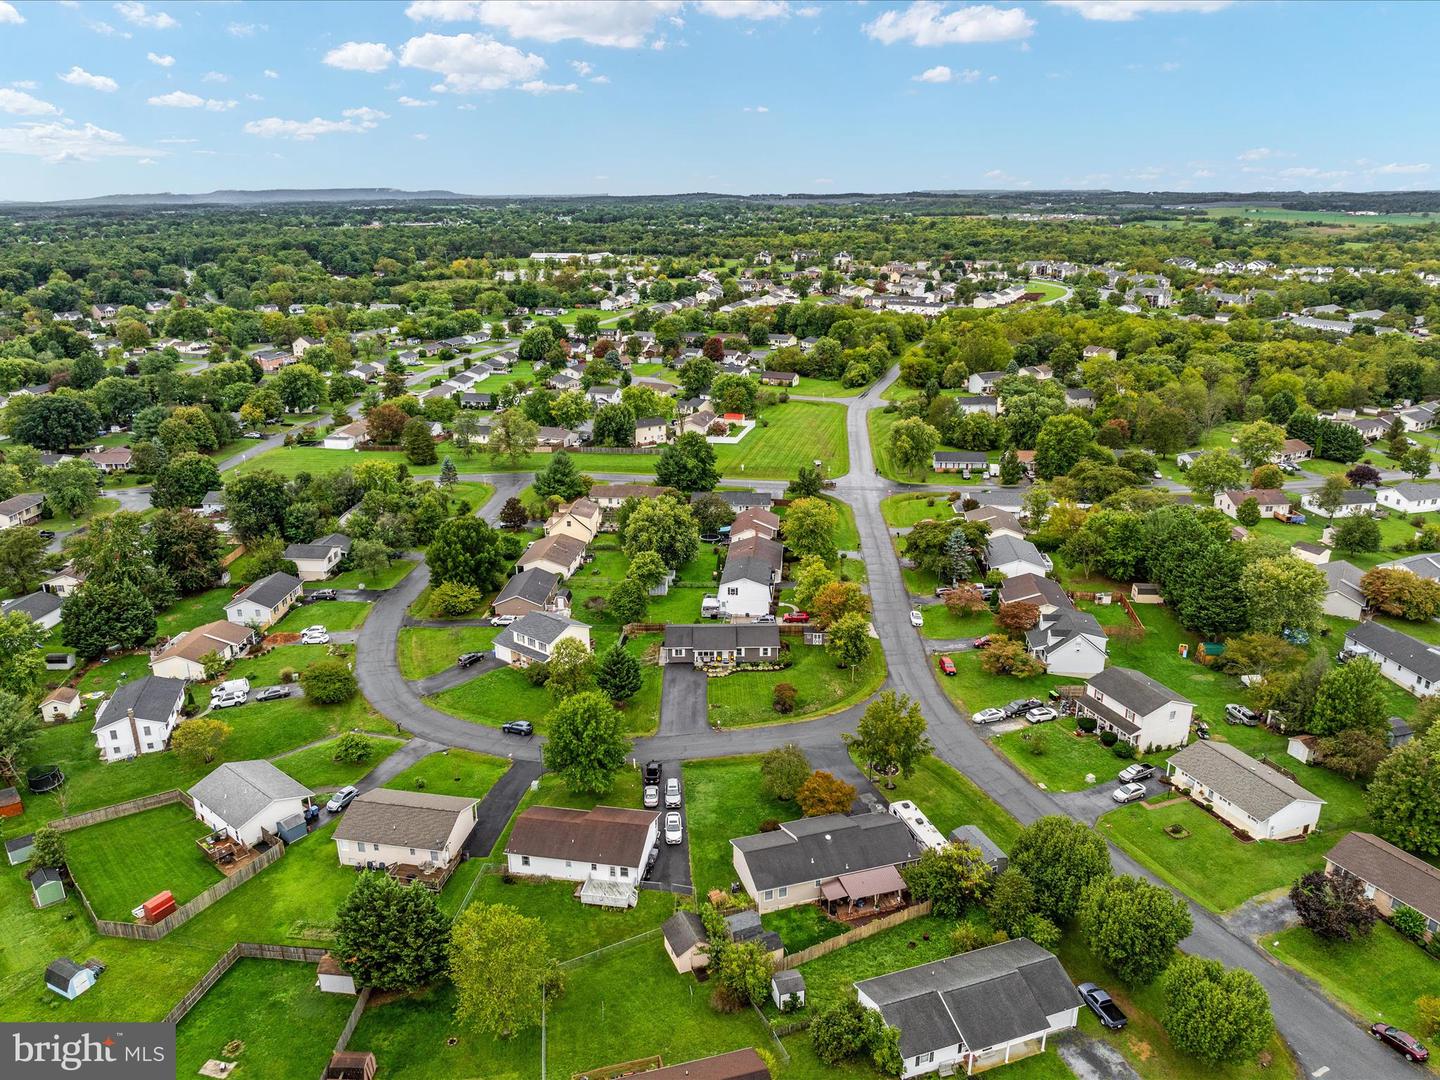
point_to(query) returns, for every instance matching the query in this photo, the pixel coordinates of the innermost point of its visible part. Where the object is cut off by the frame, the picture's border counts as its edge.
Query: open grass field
(331, 614)
(723, 800)
(880, 424)
(122, 863)
(574, 928)
(904, 510)
(192, 611)
(745, 697)
(451, 772)
(829, 978)
(1057, 759)
(62, 522)
(317, 769)
(388, 578)
(298, 1045)
(973, 689)
(1316, 217)
(1049, 290)
(940, 622)
(426, 651)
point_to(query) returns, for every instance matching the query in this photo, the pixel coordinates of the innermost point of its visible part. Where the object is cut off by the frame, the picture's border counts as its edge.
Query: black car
(47, 534)
(518, 727)
(270, 693)
(466, 659)
(1016, 708)
(1101, 1004)
(651, 772)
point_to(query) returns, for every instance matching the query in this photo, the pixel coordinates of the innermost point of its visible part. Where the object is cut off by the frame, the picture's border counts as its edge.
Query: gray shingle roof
(1410, 653)
(403, 818)
(1253, 786)
(238, 790)
(1135, 690)
(1004, 549)
(1426, 565)
(17, 503)
(269, 590)
(721, 636)
(36, 604)
(1417, 491)
(823, 847)
(683, 931)
(534, 585)
(1344, 578)
(1412, 881)
(153, 698)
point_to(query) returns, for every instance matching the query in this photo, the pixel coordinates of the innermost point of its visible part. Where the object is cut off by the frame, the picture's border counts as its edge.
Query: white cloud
(415, 103)
(942, 74)
(1397, 169)
(807, 13)
(355, 122)
(582, 67)
(243, 30)
(622, 24)
(160, 60)
(540, 86)
(757, 108)
(600, 80)
(25, 84)
(744, 9)
(57, 141)
(181, 99)
(134, 12)
(1130, 10)
(928, 23)
(78, 76)
(104, 29)
(215, 77)
(1258, 153)
(20, 103)
(8, 14)
(271, 73)
(471, 63)
(371, 56)
(420, 136)
(146, 161)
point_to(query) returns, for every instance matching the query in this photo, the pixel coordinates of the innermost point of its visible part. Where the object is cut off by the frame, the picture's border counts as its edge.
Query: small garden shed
(349, 1065)
(19, 849)
(787, 989)
(69, 979)
(46, 886)
(10, 803)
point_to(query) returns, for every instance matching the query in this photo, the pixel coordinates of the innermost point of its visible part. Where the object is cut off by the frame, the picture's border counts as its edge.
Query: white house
(1343, 596)
(318, 559)
(62, 703)
(1142, 712)
(1353, 503)
(411, 827)
(20, 510)
(347, 437)
(753, 566)
(1270, 500)
(1404, 660)
(138, 718)
(242, 799)
(533, 637)
(1012, 557)
(1250, 795)
(265, 602)
(605, 848)
(1071, 643)
(580, 520)
(652, 431)
(43, 608)
(560, 554)
(964, 462)
(1410, 498)
(972, 1012)
(183, 656)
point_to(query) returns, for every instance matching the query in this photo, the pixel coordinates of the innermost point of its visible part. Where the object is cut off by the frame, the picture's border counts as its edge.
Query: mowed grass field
(122, 863)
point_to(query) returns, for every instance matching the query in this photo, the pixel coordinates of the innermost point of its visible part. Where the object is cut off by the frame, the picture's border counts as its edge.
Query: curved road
(1324, 1039)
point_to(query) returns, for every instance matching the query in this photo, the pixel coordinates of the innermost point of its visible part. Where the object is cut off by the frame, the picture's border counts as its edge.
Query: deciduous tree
(500, 963)
(199, 741)
(1061, 857)
(1334, 906)
(1214, 1014)
(951, 878)
(891, 736)
(586, 745)
(1133, 926)
(824, 793)
(783, 770)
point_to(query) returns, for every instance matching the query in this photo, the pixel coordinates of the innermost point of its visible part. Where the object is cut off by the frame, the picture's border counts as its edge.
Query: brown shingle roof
(1410, 880)
(737, 1065)
(606, 834)
(207, 639)
(564, 550)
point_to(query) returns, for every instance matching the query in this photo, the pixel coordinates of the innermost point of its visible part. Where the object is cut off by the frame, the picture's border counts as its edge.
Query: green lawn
(331, 614)
(746, 697)
(723, 800)
(426, 651)
(829, 978)
(880, 424)
(388, 578)
(317, 769)
(950, 800)
(122, 863)
(452, 772)
(1056, 758)
(901, 511)
(973, 689)
(802, 926)
(265, 669)
(192, 611)
(940, 622)
(63, 522)
(575, 928)
(296, 1043)
(1375, 978)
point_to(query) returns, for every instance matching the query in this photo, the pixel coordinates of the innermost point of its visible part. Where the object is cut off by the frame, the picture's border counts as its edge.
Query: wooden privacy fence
(804, 956)
(362, 1000)
(227, 961)
(119, 810)
(642, 450)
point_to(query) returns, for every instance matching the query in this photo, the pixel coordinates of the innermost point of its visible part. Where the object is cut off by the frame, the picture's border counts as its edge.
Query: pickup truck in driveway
(1100, 1003)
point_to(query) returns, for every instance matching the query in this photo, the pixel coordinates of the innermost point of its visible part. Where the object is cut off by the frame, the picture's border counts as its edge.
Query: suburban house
(1404, 660)
(1142, 712)
(265, 602)
(652, 431)
(1427, 565)
(64, 581)
(803, 861)
(703, 644)
(1069, 643)
(752, 567)
(62, 703)
(1410, 497)
(579, 520)
(1242, 791)
(405, 828)
(1001, 522)
(347, 437)
(557, 438)
(964, 462)
(318, 559)
(532, 590)
(531, 639)
(138, 717)
(560, 554)
(605, 848)
(246, 799)
(20, 510)
(42, 608)
(1343, 596)
(978, 403)
(1012, 557)
(113, 459)
(754, 522)
(1293, 451)
(1077, 397)
(183, 656)
(1270, 500)
(780, 378)
(610, 497)
(698, 421)
(1045, 594)
(1393, 879)
(983, 382)
(1352, 503)
(977, 1010)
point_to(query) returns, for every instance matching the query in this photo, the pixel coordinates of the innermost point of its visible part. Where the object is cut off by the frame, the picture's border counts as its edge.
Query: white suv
(314, 635)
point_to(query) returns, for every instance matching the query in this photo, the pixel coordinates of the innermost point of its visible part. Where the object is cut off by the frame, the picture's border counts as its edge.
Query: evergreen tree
(448, 473)
(619, 673)
(560, 478)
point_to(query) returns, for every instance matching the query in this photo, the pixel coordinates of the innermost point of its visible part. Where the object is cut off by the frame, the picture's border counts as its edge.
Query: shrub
(287, 674)
(1042, 931)
(1085, 723)
(1427, 1008)
(1409, 922)
(351, 749)
(538, 674)
(770, 824)
(1123, 750)
(328, 682)
(966, 938)
(1108, 738)
(452, 599)
(783, 698)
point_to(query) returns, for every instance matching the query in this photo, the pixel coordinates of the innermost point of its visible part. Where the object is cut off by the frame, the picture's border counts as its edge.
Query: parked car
(674, 833)
(324, 594)
(1040, 715)
(342, 798)
(271, 693)
(1128, 793)
(227, 701)
(943, 590)
(1239, 714)
(947, 665)
(254, 435)
(765, 618)
(518, 727)
(1141, 770)
(651, 772)
(652, 797)
(47, 534)
(988, 716)
(469, 658)
(502, 620)
(796, 617)
(1022, 705)
(1101, 1004)
(1402, 1042)
(916, 619)
(672, 793)
(314, 635)
(1202, 729)
(984, 641)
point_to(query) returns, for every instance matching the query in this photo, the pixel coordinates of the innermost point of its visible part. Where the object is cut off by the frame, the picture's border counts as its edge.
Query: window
(784, 890)
(594, 866)
(114, 735)
(524, 860)
(769, 894)
(612, 871)
(625, 871)
(925, 1059)
(567, 864)
(412, 851)
(434, 856)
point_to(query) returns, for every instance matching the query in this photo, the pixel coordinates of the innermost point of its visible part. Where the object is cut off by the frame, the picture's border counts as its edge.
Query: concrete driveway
(454, 676)
(1090, 804)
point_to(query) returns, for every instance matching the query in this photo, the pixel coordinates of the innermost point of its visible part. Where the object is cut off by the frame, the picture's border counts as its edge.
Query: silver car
(652, 796)
(1128, 793)
(674, 831)
(987, 716)
(672, 793)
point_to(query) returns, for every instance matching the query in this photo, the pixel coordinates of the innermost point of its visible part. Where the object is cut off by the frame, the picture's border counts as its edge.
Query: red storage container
(159, 906)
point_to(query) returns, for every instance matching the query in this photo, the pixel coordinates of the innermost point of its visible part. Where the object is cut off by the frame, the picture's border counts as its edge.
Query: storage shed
(19, 849)
(10, 803)
(46, 886)
(787, 990)
(293, 828)
(350, 1065)
(69, 979)
(332, 978)
(976, 838)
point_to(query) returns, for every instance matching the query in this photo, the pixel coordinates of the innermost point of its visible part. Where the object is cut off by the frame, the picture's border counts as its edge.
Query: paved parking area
(1088, 805)
(672, 867)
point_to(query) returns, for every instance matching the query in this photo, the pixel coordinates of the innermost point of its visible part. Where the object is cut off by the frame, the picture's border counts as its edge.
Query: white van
(235, 687)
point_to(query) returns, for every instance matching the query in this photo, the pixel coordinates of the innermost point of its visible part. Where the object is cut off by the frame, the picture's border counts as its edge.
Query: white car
(672, 793)
(916, 619)
(1127, 793)
(674, 832)
(226, 701)
(987, 716)
(502, 620)
(652, 796)
(1040, 715)
(314, 635)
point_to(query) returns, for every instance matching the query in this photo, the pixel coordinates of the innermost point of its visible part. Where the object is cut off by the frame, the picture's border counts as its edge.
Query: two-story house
(1142, 712)
(533, 637)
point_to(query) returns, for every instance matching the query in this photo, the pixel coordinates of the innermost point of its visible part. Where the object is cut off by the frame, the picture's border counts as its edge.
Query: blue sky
(644, 96)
